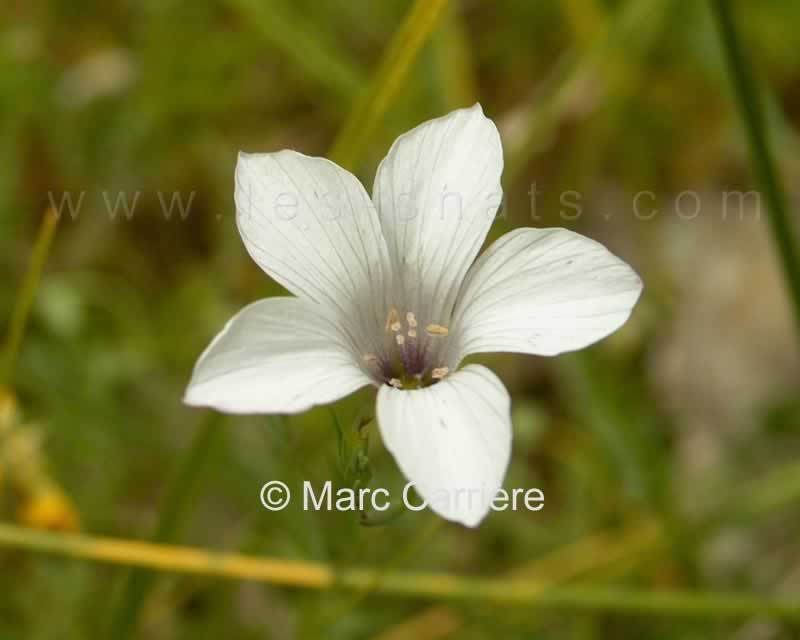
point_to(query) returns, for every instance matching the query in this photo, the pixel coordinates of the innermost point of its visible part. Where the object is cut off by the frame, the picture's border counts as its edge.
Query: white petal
(437, 193)
(278, 355)
(311, 226)
(452, 440)
(542, 291)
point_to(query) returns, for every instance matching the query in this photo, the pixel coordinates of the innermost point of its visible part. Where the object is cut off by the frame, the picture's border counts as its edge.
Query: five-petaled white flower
(387, 295)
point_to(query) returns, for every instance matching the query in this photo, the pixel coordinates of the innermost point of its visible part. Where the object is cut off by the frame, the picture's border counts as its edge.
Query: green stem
(595, 409)
(139, 583)
(436, 586)
(401, 53)
(749, 104)
(27, 293)
(358, 597)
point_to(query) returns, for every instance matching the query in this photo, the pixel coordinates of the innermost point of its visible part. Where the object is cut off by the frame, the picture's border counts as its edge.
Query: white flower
(387, 294)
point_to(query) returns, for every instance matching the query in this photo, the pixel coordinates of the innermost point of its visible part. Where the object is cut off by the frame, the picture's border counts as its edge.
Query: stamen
(409, 363)
(437, 330)
(392, 321)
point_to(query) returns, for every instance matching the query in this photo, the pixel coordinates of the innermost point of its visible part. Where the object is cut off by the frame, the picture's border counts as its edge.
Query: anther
(436, 330)
(392, 321)
(439, 373)
(412, 333)
(411, 319)
(395, 382)
(400, 339)
(369, 358)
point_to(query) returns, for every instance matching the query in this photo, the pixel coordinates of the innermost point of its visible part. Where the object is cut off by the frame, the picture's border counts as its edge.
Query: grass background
(667, 453)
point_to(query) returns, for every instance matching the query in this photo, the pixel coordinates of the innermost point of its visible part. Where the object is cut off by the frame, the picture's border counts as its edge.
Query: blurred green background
(668, 454)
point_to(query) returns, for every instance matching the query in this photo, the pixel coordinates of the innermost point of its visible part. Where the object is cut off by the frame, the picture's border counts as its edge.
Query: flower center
(411, 355)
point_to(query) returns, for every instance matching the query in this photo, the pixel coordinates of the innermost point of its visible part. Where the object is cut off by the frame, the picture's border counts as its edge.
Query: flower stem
(749, 104)
(294, 573)
(139, 583)
(417, 27)
(27, 293)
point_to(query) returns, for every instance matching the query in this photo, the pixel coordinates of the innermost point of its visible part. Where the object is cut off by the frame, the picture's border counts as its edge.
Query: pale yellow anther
(395, 382)
(436, 330)
(412, 333)
(439, 373)
(392, 321)
(411, 319)
(400, 339)
(369, 358)
(396, 326)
